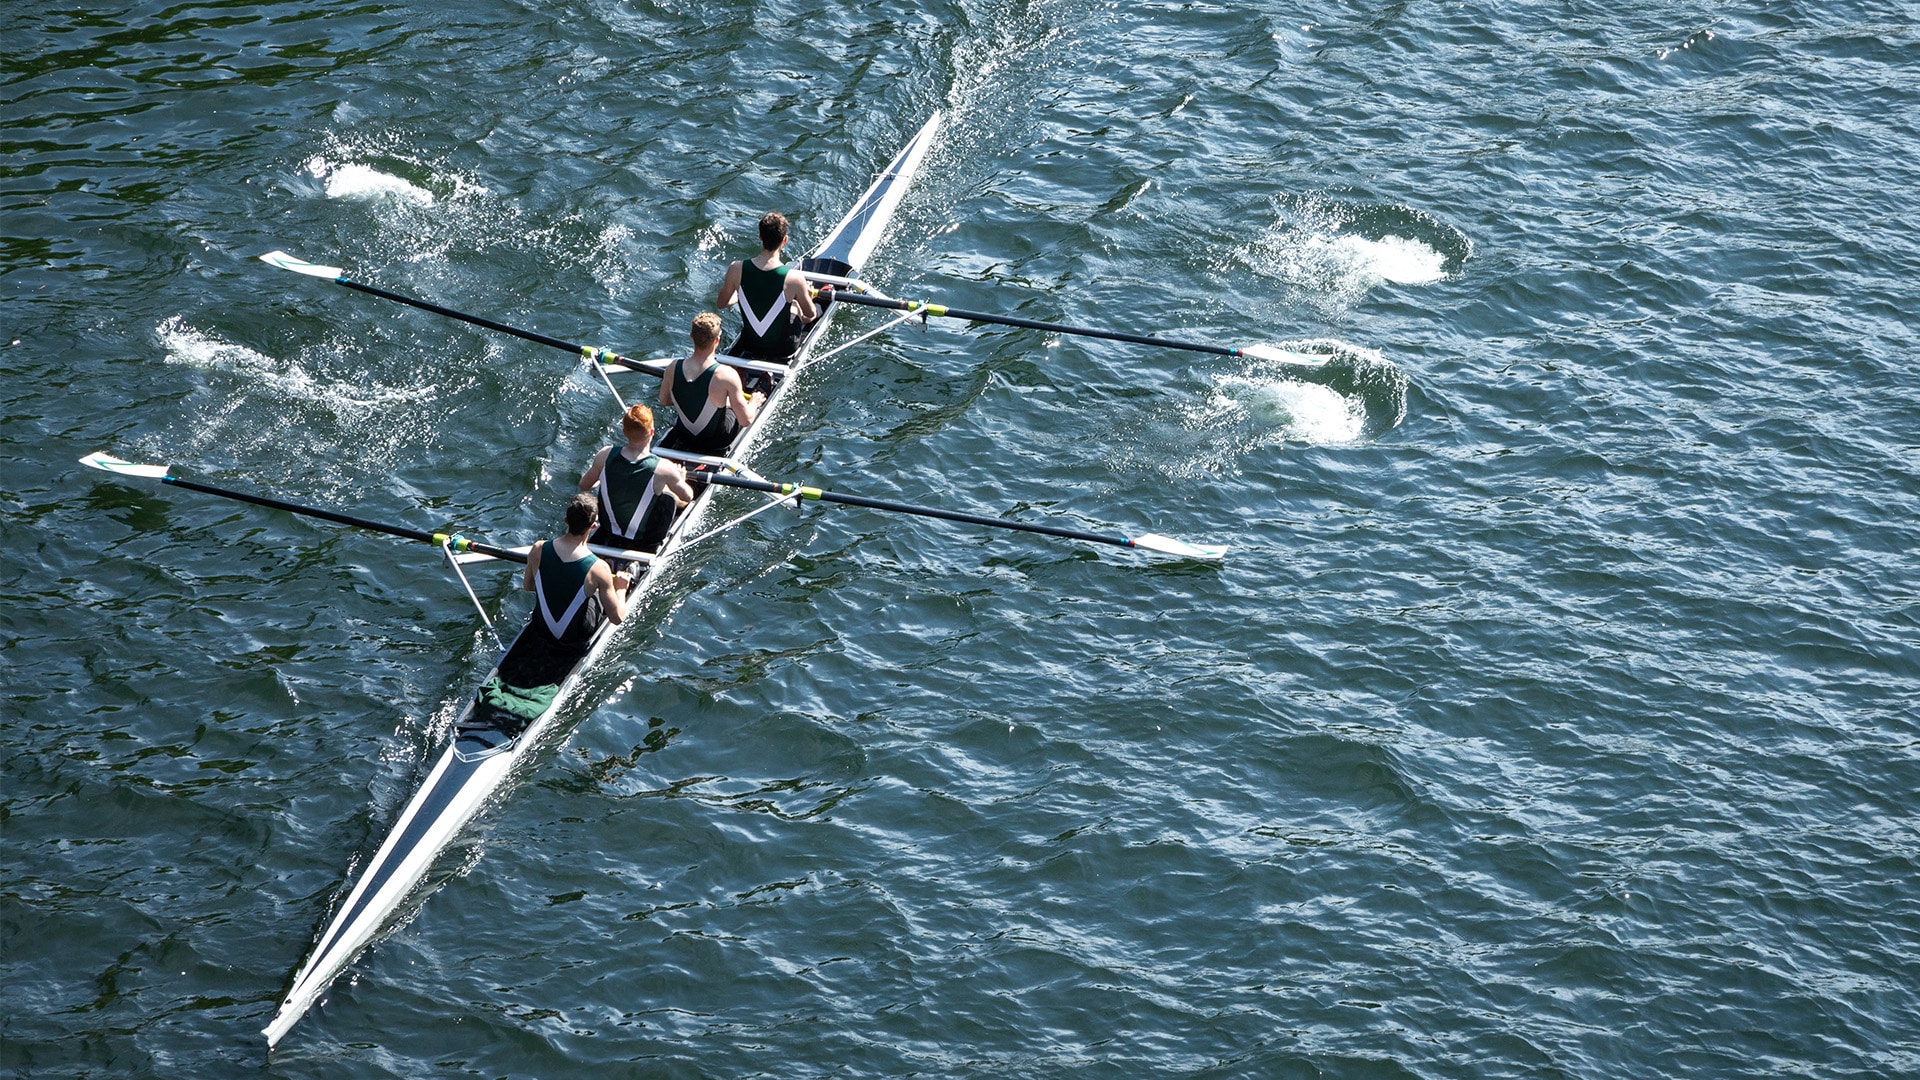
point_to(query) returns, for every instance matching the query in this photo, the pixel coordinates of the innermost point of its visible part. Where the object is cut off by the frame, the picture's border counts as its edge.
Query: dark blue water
(1554, 713)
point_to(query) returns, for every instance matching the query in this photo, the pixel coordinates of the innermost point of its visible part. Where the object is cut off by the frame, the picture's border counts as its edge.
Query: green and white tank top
(766, 324)
(626, 496)
(560, 595)
(708, 425)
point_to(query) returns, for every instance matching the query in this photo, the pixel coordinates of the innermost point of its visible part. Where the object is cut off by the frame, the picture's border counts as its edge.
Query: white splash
(195, 348)
(1395, 258)
(1344, 264)
(1285, 409)
(363, 182)
(186, 345)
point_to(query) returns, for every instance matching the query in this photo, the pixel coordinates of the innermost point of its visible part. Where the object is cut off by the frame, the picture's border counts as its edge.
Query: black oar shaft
(1030, 324)
(342, 519)
(477, 320)
(910, 508)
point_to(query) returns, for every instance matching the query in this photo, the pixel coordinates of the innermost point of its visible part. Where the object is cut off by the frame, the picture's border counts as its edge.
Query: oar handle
(910, 508)
(945, 312)
(458, 543)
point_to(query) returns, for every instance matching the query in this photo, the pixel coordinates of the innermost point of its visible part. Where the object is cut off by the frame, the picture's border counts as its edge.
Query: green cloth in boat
(512, 708)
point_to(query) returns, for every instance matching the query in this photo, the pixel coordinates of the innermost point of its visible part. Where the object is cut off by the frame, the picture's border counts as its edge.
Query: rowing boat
(508, 716)
(495, 732)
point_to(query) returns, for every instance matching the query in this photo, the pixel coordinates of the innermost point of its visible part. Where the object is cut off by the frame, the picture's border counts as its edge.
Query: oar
(1257, 352)
(120, 467)
(338, 276)
(1146, 541)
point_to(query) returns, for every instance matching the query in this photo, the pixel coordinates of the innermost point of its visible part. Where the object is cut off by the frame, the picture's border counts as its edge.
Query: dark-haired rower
(775, 301)
(573, 591)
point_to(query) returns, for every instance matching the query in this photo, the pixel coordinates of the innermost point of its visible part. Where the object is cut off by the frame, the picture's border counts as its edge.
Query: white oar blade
(1168, 545)
(109, 463)
(300, 266)
(1283, 356)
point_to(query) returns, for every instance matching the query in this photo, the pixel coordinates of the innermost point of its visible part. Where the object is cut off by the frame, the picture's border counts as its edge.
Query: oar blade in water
(1169, 546)
(1283, 356)
(109, 463)
(300, 266)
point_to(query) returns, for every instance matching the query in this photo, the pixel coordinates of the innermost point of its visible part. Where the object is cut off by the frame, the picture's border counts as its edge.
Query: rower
(629, 481)
(771, 294)
(573, 591)
(710, 401)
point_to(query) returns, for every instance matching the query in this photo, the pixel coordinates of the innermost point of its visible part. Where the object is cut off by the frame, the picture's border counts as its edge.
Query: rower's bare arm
(729, 287)
(613, 591)
(673, 480)
(592, 476)
(533, 565)
(744, 405)
(666, 387)
(800, 295)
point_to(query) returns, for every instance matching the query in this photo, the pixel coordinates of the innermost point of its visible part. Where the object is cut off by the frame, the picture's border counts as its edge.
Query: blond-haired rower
(708, 397)
(630, 481)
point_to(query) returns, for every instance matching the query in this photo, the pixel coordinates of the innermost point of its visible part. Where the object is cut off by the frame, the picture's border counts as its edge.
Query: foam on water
(1338, 252)
(1334, 394)
(1344, 266)
(314, 415)
(418, 206)
(195, 348)
(1390, 258)
(356, 181)
(402, 203)
(1300, 411)
(286, 379)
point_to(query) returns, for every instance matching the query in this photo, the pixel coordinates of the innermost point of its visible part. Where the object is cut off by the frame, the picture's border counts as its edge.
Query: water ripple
(1553, 712)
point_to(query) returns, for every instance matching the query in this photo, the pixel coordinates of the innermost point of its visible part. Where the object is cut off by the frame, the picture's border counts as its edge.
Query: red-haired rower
(630, 482)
